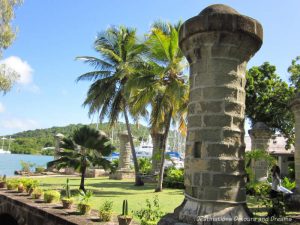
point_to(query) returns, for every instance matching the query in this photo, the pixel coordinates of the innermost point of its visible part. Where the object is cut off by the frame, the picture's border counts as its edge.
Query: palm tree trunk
(163, 152)
(157, 141)
(138, 180)
(83, 170)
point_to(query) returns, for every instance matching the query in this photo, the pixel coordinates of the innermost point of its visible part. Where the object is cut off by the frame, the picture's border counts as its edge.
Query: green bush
(174, 178)
(51, 196)
(39, 169)
(12, 184)
(114, 165)
(151, 214)
(287, 183)
(105, 211)
(37, 193)
(31, 184)
(26, 166)
(144, 165)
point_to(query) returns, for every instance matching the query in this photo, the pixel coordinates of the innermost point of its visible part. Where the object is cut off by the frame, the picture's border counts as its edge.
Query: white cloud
(19, 124)
(2, 108)
(21, 67)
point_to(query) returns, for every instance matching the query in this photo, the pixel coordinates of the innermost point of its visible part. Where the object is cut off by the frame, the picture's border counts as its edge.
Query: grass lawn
(117, 191)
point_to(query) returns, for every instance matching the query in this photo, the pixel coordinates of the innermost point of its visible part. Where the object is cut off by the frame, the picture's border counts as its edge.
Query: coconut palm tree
(85, 148)
(120, 55)
(161, 84)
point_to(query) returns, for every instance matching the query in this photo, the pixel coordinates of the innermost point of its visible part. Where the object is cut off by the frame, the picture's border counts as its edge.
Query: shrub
(105, 211)
(30, 185)
(174, 178)
(144, 165)
(84, 206)
(287, 183)
(37, 193)
(26, 166)
(114, 165)
(151, 214)
(39, 169)
(12, 184)
(51, 196)
(84, 209)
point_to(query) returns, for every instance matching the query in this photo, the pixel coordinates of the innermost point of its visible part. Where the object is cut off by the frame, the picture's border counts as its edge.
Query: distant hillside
(32, 141)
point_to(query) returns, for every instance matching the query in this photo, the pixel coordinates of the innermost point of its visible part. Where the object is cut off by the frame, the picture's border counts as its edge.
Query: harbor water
(9, 163)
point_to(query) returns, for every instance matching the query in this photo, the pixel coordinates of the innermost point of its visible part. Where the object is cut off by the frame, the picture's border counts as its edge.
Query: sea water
(9, 163)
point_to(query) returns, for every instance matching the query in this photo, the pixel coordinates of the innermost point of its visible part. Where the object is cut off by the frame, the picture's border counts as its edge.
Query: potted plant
(151, 214)
(51, 196)
(12, 184)
(30, 185)
(67, 201)
(37, 193)
(105, 211)
(3, 182)
(84, 207)
(21, 187)
(124, 218)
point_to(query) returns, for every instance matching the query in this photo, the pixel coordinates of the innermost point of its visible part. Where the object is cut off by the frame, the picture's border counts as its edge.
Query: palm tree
(161, 84)
(85, 148)
(120, 55)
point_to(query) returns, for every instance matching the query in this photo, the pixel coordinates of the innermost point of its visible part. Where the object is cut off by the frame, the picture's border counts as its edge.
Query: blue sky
(53, 32)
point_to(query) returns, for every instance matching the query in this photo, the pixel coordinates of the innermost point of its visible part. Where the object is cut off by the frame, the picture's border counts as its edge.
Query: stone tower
(217, 44)
(124, 170)
(295, 107)
(260, 135)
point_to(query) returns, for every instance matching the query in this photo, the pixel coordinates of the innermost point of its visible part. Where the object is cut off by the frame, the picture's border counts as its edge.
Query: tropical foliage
(267, 100)
(161, 84)
(7, 36)
(85, 148)
(120, 56)
(35, 141)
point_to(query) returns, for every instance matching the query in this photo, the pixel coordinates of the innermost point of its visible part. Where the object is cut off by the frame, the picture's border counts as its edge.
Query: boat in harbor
(2, 151)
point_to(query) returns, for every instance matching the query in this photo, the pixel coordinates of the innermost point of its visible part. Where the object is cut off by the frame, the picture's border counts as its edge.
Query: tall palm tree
(120, 55)
(85, 148)
(161, 84)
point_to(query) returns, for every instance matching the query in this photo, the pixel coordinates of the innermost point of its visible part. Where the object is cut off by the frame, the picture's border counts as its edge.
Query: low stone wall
(27, 211)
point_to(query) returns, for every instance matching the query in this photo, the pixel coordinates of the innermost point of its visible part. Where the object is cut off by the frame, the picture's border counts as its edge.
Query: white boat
(144, 150)
(2, 151)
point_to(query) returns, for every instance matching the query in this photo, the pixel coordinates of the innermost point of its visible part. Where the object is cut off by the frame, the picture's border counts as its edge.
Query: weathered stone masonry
(217, 44)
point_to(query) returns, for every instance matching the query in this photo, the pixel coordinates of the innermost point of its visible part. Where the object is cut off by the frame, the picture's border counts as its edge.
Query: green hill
(33, 141)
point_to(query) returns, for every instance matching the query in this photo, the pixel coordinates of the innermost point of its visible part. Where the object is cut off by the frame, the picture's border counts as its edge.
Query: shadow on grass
(127, 185)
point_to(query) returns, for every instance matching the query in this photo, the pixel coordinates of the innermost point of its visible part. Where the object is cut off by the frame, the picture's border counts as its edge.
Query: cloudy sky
(53, 32)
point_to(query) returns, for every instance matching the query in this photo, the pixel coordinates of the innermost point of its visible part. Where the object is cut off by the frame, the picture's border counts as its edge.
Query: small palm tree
(85, 148)
(120, 55)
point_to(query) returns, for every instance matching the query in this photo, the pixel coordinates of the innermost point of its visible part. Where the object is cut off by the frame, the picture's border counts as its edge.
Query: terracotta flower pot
(67, 203)
(21, 188)
(124, 220)
(3, 184)
(84, 209)
(37, 196)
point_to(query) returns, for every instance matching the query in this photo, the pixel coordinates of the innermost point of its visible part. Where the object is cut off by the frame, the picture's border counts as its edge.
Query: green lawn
(117, 191)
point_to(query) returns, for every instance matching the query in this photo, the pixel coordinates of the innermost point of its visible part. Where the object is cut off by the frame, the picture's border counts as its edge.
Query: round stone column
(124, 170)
(157, 140)
(217, 44)
(125, 151)
(295, 107)
(260, 135)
